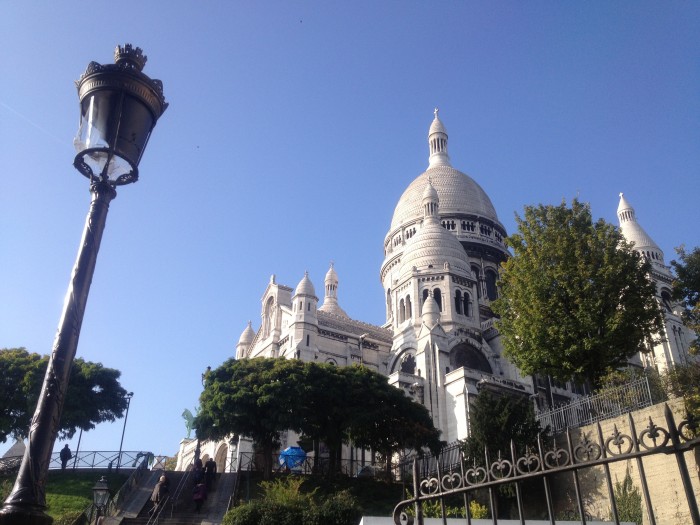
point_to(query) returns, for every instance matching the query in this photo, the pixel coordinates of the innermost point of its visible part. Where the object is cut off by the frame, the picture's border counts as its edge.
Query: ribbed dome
(305, 286)
(247, 336)
(459, 194)
(433, 245)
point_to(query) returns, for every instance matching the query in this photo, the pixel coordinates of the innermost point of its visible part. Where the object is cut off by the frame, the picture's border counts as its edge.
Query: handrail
(178, 490)
(153, 519)
(115, 501)
(236, 486)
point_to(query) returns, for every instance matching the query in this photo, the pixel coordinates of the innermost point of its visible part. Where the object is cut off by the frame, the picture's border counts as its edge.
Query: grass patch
(69, 492)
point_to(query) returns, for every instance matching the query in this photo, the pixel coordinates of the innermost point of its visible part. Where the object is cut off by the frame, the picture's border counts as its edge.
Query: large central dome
(459, 195)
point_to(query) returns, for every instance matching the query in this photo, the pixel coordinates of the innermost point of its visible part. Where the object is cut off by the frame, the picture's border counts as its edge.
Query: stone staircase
(181, 511)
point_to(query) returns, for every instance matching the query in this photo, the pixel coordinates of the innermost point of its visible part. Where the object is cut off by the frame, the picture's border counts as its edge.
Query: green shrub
(283, 503)
(628, 500)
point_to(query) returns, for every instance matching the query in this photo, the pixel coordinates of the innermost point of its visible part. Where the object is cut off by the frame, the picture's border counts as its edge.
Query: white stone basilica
(441, 258)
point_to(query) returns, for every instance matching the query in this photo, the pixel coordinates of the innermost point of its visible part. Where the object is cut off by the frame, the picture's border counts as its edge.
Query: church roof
(337, 323)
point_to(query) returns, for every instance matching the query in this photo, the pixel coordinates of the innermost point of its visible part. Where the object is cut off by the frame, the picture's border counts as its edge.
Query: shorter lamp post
(126, 416)
(100, 496)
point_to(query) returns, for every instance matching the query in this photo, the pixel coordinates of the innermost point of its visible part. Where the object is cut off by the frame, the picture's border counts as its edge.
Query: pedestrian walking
(199, 495)
(159, 494)
(209, 473)
(65, 455)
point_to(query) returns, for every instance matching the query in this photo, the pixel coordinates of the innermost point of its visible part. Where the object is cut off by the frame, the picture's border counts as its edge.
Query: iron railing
(561, 457)
(116, 501)
(598, 407)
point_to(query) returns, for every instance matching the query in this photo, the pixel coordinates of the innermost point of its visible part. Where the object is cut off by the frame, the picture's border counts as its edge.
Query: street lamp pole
(128, 403)
(119, 108)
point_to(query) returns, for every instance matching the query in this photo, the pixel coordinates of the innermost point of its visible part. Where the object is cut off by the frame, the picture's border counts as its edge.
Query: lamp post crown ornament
(130, 56)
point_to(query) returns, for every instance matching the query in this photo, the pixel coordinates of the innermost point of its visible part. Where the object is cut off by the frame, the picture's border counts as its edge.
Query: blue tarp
(292, 457)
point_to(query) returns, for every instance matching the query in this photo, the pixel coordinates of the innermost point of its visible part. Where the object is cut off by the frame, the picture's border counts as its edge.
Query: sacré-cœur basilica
(439, 343)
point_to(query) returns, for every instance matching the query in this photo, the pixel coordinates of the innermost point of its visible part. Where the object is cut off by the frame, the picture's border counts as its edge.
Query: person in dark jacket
(65, 455)
(159, 494)
(209, 473)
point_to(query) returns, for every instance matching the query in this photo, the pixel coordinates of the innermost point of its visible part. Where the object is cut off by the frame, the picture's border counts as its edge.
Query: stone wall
(665, 488)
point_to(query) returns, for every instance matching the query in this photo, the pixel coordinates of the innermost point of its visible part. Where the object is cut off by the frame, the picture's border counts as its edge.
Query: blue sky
(293, 129)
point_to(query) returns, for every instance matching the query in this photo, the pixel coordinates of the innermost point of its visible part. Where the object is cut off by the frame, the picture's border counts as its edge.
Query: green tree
(251, 397)
(384, 419)
(495, 421)
(686, 288)
(575, 299)
(94, 394)
(260, 398)
(684, 381)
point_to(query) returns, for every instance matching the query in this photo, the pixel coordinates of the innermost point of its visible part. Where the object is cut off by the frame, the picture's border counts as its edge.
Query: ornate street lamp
(119, 106)
(128, 397)
(100, 496)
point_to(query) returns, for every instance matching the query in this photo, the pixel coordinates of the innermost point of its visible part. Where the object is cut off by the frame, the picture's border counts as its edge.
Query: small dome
(633, 232)
(331, 275)
(430, 193)
(431, 312)
(330, 301)
(247, 336)
(305, 286)
(437, 126)
(433, 245)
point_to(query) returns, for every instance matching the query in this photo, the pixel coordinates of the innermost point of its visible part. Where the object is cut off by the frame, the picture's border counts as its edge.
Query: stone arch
(465, 355)
(220, 458)
(267, 316)
(405, 361)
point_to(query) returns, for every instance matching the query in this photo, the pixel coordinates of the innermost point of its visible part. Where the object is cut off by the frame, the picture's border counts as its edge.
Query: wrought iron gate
(451, 479)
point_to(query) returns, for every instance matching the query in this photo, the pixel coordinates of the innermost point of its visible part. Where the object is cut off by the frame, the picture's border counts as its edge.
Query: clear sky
(292, 131)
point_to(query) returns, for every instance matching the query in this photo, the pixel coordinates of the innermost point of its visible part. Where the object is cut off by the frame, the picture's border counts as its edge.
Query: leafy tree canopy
(575, 299)
(496, 420)
(94, 394)
(260, 398)
(686, 288)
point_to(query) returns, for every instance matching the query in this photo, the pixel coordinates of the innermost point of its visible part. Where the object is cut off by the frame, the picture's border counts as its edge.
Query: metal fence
(252, 462)
(570, 455)
(591, 409)
(96, 459)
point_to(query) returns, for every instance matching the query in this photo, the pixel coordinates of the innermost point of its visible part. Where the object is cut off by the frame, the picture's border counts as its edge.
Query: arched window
(437, 295)
(408, 364)
(458, 301)
(425, 294)
(402, 311)
(267, 316)
(467, 302)
(477, 274)
(409, 310)
(666, 300)
(465, 355)
(491, 291)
